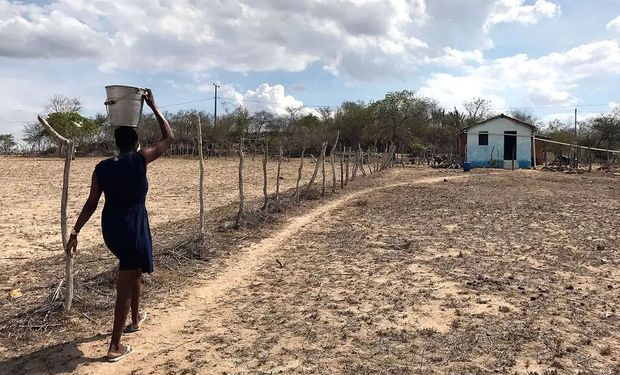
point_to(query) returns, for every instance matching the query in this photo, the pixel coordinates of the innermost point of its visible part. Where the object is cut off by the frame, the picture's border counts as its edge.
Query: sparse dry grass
(497, 273)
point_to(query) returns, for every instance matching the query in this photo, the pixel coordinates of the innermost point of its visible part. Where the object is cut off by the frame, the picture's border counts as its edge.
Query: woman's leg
(124, 287)
(135, 299)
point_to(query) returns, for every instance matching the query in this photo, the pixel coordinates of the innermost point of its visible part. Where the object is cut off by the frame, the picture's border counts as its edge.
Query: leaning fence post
(68, 154)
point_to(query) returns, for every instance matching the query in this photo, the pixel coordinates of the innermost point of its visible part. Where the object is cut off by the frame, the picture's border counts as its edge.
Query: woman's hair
(126, 138)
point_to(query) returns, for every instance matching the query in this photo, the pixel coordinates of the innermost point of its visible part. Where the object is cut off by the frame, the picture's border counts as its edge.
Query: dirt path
(167, 335)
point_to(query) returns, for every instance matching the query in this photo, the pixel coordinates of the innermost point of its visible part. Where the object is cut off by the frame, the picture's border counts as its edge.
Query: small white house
(497, 141)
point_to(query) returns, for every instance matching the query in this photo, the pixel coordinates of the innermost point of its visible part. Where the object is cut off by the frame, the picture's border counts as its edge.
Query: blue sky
(547, 55)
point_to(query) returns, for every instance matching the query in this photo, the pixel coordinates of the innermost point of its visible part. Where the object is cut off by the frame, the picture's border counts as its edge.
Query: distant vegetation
(413, 123)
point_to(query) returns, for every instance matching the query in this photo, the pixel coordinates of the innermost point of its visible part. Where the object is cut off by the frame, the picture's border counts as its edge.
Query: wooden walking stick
(68, 153)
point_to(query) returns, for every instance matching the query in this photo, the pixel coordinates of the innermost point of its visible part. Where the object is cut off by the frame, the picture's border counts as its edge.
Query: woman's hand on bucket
(148, 97)
(71, 248)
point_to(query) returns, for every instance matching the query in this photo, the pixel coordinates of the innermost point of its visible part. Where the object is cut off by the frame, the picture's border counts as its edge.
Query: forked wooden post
(316, 171)
(201, 194)
(68, 153)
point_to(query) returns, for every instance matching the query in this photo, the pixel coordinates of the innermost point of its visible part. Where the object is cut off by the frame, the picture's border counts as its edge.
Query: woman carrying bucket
(124, 219)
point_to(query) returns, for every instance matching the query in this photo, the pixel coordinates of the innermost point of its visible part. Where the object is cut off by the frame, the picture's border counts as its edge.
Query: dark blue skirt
(127, 234)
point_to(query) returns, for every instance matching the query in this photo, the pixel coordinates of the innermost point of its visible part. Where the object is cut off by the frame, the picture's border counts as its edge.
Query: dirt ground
(412, 272)
(30, 192)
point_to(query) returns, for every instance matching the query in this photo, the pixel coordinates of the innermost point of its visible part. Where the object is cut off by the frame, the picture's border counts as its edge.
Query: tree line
(409, 122)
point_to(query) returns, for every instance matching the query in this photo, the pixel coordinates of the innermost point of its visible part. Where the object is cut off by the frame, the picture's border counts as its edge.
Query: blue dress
(124, 220)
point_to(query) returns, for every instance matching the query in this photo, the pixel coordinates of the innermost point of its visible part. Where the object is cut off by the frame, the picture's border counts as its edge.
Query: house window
(483, 138)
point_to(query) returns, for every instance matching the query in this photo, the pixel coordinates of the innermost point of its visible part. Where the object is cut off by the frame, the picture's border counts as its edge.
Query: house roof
(501, 115)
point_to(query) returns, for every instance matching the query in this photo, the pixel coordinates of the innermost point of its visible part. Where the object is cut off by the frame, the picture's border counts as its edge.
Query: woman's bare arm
(87, 211)
(153, 152)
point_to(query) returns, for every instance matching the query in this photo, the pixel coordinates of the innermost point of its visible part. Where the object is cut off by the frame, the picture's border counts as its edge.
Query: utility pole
(215, 106)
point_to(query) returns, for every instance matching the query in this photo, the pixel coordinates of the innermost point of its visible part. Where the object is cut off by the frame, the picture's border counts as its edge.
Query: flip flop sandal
(132, 328)
(128, 351)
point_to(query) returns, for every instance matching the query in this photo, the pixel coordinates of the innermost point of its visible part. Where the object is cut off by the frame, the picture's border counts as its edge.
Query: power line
(189, 102)
(554, 106)
(270, 102)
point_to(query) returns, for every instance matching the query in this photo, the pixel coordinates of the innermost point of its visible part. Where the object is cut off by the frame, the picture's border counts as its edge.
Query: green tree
(391, 116)
(525, 116)
(558, 131)
(7, 143)
(478, 109)
(353, 119)
(36, 136)
(72, 125)
(608, 128)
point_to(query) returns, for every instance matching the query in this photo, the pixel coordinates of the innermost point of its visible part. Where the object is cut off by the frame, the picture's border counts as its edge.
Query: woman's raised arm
(153, 152)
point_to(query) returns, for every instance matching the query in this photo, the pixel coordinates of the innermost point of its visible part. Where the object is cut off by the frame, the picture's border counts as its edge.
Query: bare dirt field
(30, 197)
(413, 271)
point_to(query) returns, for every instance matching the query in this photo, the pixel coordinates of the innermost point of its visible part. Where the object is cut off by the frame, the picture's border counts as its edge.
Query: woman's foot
(135, 326)
(118, 353)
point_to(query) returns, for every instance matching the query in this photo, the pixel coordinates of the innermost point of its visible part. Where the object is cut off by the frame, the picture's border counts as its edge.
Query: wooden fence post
(346, 181)
(201, 194)
(68, 154)
(278, 179)
(323, 182)
(333, 160)
(241, 198)
(361, 159)
(299, 171)
(265, 152)
(341, 168)
(316, 171)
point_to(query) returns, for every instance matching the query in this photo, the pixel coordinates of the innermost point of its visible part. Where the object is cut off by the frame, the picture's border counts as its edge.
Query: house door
(510, 145)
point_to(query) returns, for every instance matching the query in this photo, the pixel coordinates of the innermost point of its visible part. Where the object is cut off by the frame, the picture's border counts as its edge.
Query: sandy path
(166, 336)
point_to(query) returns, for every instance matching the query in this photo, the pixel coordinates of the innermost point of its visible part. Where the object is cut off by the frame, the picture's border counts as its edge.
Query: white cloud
(452, 91)
(505, 11)
(614, 24)
(568, 117)
(356, 38)
(547, 80)
(264, 98)
(455, 58)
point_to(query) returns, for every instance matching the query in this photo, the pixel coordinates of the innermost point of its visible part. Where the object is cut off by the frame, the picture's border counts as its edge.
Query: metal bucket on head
(124, 105)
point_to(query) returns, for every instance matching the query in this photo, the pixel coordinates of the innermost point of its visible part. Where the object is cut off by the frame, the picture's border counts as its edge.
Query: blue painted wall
(480, 155)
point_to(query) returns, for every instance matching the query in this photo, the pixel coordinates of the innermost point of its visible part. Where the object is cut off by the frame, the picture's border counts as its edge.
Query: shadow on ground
(58, 359)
